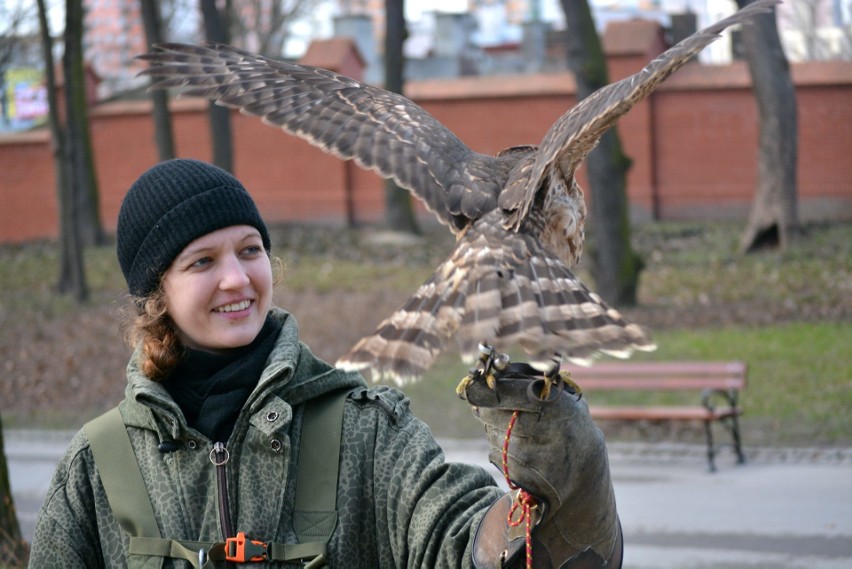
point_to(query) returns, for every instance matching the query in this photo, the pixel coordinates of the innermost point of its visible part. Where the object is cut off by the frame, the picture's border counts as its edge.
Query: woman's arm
(66, 534)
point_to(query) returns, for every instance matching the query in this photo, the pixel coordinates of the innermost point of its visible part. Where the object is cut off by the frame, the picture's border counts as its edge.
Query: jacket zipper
(220, 456)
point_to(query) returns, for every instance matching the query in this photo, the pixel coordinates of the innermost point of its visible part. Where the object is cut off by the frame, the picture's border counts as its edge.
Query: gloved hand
(557, 454)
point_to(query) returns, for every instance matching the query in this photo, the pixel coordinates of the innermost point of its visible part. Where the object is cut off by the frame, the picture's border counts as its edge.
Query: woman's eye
(202, 262)
(253, 250)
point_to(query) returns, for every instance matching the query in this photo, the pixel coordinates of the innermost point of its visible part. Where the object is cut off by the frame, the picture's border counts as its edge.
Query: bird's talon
(461, 389)
(491, 381)
(545, 390)
(565, 377)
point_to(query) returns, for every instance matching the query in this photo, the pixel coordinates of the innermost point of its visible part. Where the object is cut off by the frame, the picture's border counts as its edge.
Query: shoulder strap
(120, 474)
(315, 512)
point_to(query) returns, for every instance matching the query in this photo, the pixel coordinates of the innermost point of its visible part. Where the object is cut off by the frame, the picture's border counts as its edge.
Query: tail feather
(506, 292)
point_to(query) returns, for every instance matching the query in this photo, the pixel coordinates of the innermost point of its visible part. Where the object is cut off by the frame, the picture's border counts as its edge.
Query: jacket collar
(292, 373)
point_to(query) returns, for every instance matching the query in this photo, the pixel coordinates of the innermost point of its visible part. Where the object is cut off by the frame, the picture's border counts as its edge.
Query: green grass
(29, 273)
(688, 264)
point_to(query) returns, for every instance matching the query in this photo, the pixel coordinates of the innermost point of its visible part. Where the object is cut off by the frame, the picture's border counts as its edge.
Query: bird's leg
(489, 361)
(555, 376)
(461, 388)
(573, 386)
(544, 395)
(551, 378)
(482, 368)
(499, 362)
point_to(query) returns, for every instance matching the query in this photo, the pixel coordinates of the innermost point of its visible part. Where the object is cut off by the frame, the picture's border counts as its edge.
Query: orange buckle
(241, 549)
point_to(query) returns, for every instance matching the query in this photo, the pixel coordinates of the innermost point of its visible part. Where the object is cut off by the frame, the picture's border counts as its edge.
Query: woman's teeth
(235, 307)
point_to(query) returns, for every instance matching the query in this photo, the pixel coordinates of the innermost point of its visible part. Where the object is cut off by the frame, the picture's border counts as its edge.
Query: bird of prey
(518, 217)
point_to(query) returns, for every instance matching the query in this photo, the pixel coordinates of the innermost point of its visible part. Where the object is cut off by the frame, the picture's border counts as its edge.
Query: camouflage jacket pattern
(399, 503)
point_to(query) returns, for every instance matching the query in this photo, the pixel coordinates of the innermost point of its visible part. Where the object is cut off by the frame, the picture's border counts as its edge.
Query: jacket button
(271, 416)
(276, 445)
(191, 444)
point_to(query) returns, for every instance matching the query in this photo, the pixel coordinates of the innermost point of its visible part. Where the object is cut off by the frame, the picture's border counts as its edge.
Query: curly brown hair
(153, 330)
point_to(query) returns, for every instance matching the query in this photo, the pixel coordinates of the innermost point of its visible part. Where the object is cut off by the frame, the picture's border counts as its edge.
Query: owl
(518, 217)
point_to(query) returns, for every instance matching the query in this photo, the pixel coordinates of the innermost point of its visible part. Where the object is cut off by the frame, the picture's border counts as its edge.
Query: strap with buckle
(241, 549)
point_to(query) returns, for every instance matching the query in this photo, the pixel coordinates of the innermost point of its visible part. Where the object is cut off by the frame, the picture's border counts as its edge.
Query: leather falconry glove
(554, 453)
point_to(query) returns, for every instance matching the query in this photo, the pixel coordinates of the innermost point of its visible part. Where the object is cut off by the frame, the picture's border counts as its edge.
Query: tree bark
(72, 276)
(399, 211)
(159, 98)
(216, 30)
(14, 550)
(81, 155)
(774, 217)
(615, 265)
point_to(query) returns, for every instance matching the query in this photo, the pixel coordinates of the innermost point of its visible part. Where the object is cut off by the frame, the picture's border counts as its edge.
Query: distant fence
(693, 145)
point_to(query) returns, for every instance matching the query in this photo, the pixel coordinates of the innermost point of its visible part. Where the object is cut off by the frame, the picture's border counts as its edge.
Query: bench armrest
(730, 397)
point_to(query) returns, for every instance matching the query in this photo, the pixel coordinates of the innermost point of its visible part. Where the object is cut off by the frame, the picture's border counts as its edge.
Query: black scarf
(211, 389)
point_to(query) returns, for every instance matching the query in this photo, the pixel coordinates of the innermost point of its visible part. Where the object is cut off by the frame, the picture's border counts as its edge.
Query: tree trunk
(82, 165)
(215, 30)
(615, 266)
(160, 97)
(399, 211)
(72, 276)
(13, 548)
(774, 218)
(89, 218)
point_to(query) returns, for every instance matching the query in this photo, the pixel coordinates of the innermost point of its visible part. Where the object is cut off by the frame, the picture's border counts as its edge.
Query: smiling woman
(190, 242)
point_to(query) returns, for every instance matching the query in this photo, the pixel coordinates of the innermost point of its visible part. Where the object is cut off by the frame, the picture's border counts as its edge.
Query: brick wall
(693, 146)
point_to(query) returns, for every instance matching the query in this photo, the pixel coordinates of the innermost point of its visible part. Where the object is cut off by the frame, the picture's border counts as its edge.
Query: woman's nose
(233, 274)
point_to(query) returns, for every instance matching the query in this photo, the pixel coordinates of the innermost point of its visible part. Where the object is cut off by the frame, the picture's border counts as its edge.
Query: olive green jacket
(399, 503)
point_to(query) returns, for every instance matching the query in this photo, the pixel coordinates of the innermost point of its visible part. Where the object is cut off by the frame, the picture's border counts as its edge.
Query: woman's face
(219, 289)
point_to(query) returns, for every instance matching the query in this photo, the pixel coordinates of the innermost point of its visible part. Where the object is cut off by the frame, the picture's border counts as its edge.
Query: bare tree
(813, 31)
(72, 277)
(216, 30)
(399, 211)
(262, 26)
(179, 19)
(14, 550)
(79, 152)
(774, 218)
(615, 265)
(159, 98)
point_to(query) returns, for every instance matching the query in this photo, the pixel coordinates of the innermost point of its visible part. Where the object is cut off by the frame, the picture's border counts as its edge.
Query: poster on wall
(23, 100)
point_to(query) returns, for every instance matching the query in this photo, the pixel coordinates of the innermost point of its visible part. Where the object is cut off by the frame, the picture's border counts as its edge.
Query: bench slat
(635, 413)
(660, 375)
(734, 369)
(657, 383)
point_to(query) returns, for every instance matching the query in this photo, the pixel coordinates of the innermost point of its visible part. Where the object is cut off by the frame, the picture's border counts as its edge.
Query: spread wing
(501, 287)
(578, 131)
(380, 130)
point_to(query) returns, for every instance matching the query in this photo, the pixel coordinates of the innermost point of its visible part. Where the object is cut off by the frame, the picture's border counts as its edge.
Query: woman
(218, 388)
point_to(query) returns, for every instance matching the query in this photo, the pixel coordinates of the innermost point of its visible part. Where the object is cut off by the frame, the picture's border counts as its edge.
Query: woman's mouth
(234, 307)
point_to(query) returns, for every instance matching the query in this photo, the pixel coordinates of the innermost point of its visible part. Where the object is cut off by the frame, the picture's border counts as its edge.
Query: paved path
(785, 509)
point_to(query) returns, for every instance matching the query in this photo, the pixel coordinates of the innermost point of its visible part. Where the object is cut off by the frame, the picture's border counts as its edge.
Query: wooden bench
(717, 381)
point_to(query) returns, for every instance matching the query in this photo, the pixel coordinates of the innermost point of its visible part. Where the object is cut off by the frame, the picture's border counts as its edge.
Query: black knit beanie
(171, 205)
